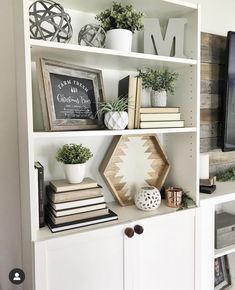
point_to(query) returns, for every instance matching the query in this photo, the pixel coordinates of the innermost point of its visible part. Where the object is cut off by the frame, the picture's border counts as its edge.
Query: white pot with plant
(74, 158)
(115, 115)
(146, 88)
(120, 22)
(162, 83)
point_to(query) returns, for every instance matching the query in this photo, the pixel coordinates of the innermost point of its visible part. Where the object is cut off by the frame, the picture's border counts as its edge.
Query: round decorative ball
(92, 35)
(148, 198)
(49, 21)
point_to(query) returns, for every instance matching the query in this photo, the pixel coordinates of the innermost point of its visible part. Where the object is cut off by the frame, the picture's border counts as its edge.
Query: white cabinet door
(84, 261)
(165, 252)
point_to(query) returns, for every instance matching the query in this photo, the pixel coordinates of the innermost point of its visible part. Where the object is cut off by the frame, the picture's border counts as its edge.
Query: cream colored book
(162, 124)
(138, 101)
(63, 185)
(159, 110)
(160, 117)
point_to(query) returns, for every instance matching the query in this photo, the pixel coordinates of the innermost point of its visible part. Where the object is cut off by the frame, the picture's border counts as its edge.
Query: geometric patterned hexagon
(131, 162)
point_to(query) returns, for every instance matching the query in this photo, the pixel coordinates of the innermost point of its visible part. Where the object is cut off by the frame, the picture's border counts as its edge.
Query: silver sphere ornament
(49, 21)
(92, 35)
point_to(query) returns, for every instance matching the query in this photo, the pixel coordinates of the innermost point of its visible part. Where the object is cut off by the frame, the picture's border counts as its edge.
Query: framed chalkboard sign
(69, 96)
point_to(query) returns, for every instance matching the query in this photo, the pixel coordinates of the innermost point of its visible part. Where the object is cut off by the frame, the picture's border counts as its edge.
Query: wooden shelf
(105, 58)
(125, 214)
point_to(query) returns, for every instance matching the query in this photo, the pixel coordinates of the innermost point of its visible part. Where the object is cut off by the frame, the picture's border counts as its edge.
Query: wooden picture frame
(222, 278)
(69, 95)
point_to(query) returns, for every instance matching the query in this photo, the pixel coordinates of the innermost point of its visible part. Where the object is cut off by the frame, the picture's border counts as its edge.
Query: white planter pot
(158, 99)
(148, 198)
(75, 173)
(146, 98)
(116, 120)
(119, 39)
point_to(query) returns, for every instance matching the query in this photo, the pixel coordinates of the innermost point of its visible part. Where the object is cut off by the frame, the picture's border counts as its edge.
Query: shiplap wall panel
(213, 53)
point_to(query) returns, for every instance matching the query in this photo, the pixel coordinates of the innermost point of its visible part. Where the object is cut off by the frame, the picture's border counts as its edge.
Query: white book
(162, 124)
(160, 117)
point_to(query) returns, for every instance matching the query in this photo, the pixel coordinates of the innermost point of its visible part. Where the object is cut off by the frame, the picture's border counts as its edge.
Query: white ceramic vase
(75, 173)
(116, 120)
(147, 198)
(146, 98)
(158, 99)
(119, 39)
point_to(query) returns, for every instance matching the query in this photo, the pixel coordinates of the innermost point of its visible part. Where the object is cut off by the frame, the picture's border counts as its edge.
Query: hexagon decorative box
(133, 161)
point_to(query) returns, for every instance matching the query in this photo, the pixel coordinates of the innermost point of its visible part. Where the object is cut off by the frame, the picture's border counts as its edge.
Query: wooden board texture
(213, 52)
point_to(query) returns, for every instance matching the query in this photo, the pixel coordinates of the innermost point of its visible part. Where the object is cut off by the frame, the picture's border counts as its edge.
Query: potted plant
(120, 22)
(74, 157)
(145, 75)
(115, 115)
(163, 82)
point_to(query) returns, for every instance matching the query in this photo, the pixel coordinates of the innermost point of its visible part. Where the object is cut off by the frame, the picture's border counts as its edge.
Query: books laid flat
(72, 195)
(41, 192)
(77, 210)
(111, 216)
(76, 217)
(160, 117)
(159, 110)
(77, 203)
(127, 89)
(63, 185)
(162, 124)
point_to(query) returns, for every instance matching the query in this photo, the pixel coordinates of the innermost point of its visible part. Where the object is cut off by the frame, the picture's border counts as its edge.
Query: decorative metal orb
(49, 21)
(92, 35)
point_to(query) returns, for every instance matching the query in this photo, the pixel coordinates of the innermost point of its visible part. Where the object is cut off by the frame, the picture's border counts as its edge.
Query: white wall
(217, 16)
(10, 236)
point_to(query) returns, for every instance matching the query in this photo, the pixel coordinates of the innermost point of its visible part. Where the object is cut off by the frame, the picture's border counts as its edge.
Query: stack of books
(76, 205)
(130, 87)
(208, 185)
(160, 117)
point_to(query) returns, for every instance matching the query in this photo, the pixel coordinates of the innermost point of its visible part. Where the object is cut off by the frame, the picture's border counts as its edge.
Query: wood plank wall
(212, 91)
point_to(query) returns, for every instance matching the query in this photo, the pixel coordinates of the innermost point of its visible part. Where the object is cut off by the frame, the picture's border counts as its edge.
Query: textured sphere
(49, 21)
(148, 198)
(116, 120)
(92, 35)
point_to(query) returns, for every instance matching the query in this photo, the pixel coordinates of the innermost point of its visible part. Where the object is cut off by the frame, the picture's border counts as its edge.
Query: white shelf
(225, 191)
(101, 57)
(224, 251)
(165, 9)
(126, 214)
(111, 132)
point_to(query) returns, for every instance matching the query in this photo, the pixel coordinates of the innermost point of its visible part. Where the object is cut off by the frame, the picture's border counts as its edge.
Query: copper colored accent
(173, 196)
(138, 229)
(129, 232)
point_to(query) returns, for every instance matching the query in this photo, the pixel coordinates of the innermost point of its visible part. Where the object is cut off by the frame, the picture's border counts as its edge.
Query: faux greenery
(227, 175)
(124, 17)
(159, 79)
(187, 201)
(116, 105)
(73, 154)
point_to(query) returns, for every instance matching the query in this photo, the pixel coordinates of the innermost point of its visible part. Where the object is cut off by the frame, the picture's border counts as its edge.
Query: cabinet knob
(129, 232)
(138, 229)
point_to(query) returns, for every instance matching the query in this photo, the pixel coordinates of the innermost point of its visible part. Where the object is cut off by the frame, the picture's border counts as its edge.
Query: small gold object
(174, 196)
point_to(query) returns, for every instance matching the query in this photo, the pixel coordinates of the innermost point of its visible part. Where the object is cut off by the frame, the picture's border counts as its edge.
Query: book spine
(41, 196)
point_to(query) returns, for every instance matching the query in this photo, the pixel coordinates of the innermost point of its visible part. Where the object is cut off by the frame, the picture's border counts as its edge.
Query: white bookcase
(180, 144)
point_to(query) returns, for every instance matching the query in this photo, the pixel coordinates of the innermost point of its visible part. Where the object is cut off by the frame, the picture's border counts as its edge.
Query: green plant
(226, 175)
(159, 79)
(186, 202)
(117, 105)
(73, 154)
(124, 17)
